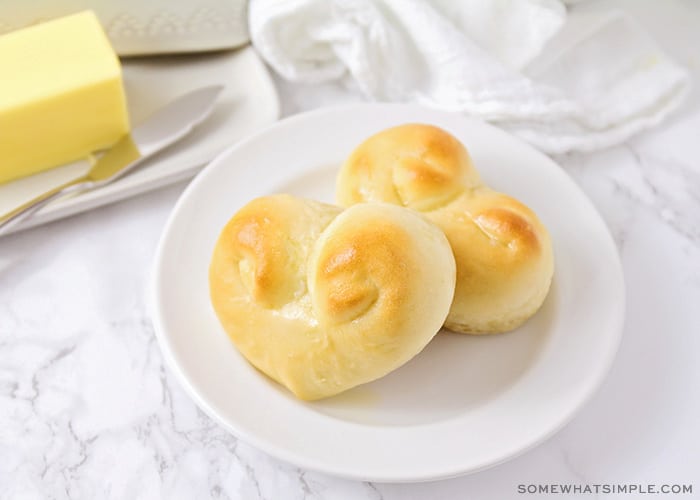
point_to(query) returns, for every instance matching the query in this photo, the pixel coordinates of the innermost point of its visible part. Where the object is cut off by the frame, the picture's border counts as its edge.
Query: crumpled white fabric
(563, 83)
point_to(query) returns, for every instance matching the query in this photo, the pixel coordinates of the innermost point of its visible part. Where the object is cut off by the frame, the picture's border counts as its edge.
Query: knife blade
(163, 128)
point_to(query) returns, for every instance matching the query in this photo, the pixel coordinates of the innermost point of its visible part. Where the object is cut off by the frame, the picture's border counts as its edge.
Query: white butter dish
(248, 103)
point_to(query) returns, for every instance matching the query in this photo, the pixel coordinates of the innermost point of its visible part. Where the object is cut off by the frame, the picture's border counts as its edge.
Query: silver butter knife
(163, 128)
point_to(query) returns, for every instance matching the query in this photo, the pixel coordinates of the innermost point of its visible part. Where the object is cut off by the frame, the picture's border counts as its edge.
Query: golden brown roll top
(322, 301)
(266, 241)
(415, 166)
(503, 252)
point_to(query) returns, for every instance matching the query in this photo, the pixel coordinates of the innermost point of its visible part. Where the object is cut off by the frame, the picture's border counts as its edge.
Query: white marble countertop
(88, 410)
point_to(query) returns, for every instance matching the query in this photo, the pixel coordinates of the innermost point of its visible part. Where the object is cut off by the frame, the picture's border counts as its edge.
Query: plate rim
(298, 459)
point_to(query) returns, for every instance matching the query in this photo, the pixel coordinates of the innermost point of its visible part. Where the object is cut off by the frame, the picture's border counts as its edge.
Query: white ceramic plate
(247, 104)
(464, 403)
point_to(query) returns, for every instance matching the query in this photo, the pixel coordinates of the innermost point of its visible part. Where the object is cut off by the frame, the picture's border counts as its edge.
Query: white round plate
(465, 402)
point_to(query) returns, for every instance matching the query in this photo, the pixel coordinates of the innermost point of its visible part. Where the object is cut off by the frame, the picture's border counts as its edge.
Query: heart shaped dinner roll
(321, 299)
(503, 252)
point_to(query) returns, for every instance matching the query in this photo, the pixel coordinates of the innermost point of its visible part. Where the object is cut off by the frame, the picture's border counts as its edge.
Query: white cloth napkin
(564, 83)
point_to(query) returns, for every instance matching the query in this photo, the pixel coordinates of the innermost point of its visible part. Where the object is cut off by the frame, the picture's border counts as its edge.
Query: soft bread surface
(503, 252)
(321, 299)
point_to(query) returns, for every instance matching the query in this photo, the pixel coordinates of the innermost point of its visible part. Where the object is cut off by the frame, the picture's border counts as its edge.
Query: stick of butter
(61, 95)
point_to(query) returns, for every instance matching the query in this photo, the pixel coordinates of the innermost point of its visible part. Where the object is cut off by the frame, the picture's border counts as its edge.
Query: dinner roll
(503, 252)
(322, 299)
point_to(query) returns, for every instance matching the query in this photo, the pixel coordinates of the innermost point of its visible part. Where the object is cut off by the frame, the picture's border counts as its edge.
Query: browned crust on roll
(502, 249)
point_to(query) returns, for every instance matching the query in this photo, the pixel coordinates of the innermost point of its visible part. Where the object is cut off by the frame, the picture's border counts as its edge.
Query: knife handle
(17, 214)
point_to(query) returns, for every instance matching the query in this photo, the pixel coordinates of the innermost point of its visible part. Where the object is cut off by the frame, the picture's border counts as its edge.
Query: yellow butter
(61, 95)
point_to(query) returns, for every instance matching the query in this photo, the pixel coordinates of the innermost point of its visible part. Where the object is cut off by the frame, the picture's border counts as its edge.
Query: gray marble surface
(88, 410)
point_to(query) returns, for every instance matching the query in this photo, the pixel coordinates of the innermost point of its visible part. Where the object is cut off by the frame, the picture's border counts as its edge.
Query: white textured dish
(464, 403)
(248, 103)
(152, 27)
